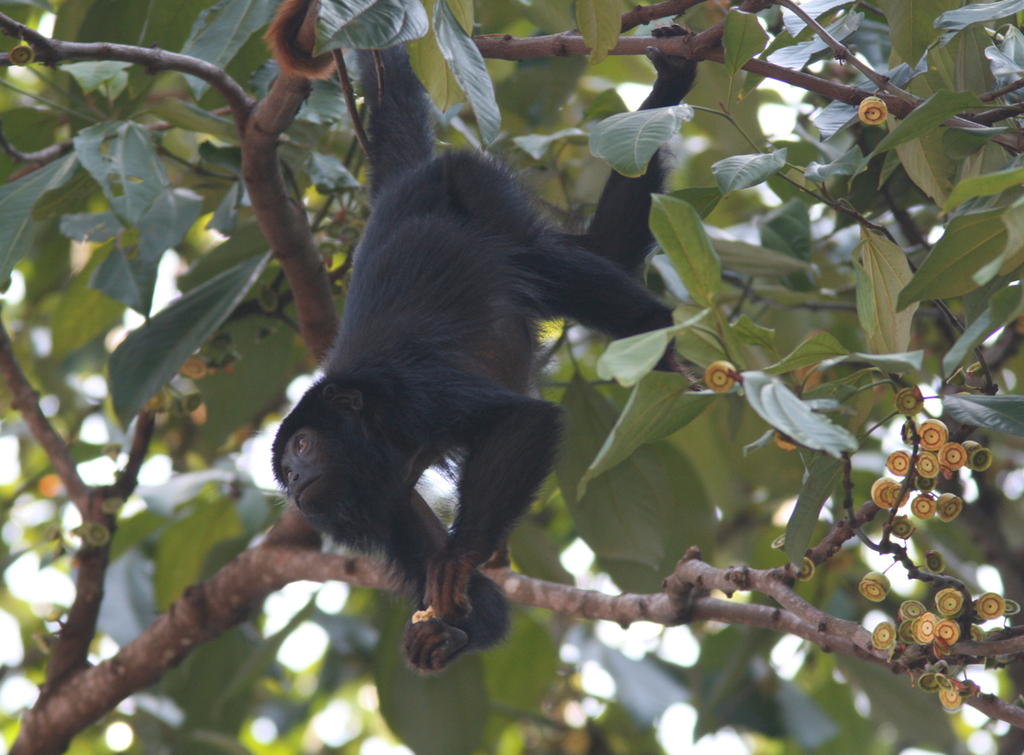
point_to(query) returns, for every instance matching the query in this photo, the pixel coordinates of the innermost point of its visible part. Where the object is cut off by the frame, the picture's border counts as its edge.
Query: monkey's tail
(401, 122)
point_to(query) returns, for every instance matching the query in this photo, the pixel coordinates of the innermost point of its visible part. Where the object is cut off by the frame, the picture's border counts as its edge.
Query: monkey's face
(343, 476)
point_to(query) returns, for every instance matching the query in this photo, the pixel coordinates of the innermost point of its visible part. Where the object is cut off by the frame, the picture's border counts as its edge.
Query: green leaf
(440, 714)
(846, 165)
(185, 544)
(628, 141)
(960, 143)
(969, 242)
(927, 163)
(329, 174)
(881, 275)
(131, 279)
(353, 24)
(220, 31)
(680, 233)
(912, 25)
(984, 186)
(820, 479)
(703, 198)
(797, 56)
(659, 405)
(1005, 305)
(744, 171)
(834, 117)
(751, 259)
(16, 201)
(627, 360)
(908, 361)
(751, 333)
(428, 63)
(933, 112)
(779, 407)
(191, 118)
(82, 314)
(123, 160)
(599, 22)
(1003, 413)
(815, 349)
(535, 145)
(977, 13)
(91, 74)
(743, 39)
(466, 62)
(640, 516)
(150, 355)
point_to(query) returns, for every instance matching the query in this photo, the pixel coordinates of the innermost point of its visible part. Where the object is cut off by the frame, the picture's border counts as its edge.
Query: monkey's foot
(431, 645)
(670, 66)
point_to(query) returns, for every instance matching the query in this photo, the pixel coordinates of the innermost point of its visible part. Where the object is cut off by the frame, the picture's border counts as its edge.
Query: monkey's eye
(300, 444)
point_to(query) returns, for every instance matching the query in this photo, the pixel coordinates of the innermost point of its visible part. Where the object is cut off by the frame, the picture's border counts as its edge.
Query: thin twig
(350, 100)
(843, 53)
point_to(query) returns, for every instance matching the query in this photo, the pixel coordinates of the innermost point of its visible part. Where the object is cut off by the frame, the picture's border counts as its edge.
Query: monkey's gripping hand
(465, 611)
(675, 74)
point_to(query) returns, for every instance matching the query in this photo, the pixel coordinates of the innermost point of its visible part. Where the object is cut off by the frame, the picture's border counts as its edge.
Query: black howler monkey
(436, 349)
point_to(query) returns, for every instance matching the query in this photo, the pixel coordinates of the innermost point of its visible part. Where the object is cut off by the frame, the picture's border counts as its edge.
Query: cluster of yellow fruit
(936, 455)
(939, 631)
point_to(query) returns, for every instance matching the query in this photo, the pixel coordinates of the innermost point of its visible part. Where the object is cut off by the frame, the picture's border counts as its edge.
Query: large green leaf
(82, 314)
(751, 259)
(797, 56)
(150, 355)
(680, 233)
(928, 164)
(970, 241)
(123, 160)
(627, 360)
(441, 714)
(744, 171)
(467, 64)
(820, 478)
(912, 25)
(640, 516)
(846, 165)
(599, 22)
(931, 113)
(815, 349)
(429, 64)
(109, 76)
(220, 31)
(908, 361)
(1005, 305)
(882, 273)
(743, 39)
(16, 201)
(659, 405)
(984, 186)
(1004, 413)
(779, 407)
(130, 278)
(184, 545)
(627, 141)
(977, 13)
(351, 24)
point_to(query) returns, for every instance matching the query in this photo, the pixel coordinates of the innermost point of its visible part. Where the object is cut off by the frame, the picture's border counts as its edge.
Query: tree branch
(25, 399)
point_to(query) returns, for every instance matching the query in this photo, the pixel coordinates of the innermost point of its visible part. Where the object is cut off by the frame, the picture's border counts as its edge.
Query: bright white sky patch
(303, 647)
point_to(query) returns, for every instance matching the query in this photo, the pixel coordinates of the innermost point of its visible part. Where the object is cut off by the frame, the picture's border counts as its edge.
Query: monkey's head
(336, 466)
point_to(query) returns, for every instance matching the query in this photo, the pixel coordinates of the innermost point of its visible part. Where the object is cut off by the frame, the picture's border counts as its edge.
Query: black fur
(436, 349)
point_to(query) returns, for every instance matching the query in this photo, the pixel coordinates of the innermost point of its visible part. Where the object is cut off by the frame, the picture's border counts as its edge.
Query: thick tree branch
(291, 552)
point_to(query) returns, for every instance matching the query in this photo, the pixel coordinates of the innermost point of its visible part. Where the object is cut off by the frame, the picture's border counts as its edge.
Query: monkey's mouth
(297, 495)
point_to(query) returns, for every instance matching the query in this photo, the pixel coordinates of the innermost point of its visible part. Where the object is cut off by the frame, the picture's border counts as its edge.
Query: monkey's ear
(343, 398)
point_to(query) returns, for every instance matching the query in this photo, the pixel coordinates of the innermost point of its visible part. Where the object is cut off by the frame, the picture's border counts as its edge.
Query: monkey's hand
(447, 588)
(431, 645)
